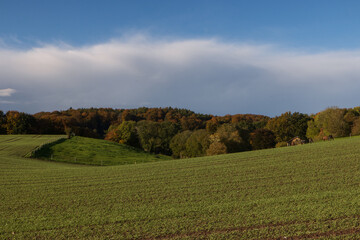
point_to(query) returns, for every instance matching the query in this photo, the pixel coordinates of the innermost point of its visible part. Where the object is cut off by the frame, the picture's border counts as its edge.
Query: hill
(91, 151)
(308, 191)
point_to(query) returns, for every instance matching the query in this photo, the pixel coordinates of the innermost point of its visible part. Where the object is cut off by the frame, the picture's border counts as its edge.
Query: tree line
(183, 133)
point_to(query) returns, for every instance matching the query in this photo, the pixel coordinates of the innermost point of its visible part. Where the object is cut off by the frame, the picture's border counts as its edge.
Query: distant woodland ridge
(183, 133)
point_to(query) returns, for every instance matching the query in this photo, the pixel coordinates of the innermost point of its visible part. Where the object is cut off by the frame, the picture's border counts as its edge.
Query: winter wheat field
(308, 191)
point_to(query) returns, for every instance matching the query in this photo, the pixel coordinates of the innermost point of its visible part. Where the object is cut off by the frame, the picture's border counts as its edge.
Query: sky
(214, 57)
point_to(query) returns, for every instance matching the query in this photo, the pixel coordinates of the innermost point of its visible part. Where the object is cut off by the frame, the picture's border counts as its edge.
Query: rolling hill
(91, 151)
(308, 191)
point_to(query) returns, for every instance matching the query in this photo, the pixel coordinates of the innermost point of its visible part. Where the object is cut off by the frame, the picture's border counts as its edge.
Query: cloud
(205, 75)
(7, 92)
(6, 102)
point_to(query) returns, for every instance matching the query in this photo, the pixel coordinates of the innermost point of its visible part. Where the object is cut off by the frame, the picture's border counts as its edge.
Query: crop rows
(20, 145)
(309, 191)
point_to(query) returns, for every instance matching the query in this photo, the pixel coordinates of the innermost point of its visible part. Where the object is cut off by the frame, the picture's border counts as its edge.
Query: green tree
(178, 144)
(332, 121)
(197, 144)
(313, 130)
(126, 133)
(229, 135)
(155, 137)
(262, 138)
(2, 123)
(288, 125)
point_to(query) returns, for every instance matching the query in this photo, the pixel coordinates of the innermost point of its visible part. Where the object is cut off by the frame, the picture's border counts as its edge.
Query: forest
(182, 133)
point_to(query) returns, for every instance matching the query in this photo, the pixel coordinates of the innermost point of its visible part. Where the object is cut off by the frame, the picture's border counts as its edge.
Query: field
(308, 191)
(19, 146)
(90, 151)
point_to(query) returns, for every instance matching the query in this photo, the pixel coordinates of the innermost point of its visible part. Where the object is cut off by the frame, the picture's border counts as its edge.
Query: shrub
(281, 144)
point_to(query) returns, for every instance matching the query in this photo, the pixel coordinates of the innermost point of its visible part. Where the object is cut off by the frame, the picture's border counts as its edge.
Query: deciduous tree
(262, 138)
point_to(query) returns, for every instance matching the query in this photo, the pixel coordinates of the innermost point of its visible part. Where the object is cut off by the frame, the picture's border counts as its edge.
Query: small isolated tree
(68, 132)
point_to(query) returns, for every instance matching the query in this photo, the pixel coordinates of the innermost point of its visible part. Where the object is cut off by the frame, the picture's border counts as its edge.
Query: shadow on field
(45, 151)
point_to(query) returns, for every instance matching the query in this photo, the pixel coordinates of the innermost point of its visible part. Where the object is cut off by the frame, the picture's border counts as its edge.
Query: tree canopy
(182, 132)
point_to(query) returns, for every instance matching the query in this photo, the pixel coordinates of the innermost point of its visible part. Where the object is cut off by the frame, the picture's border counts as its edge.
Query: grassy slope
(304, 191)
(96, 152)
(19, 145)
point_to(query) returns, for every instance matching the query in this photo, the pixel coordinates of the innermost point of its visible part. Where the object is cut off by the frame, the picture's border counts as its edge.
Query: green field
(20, 145)
(308, 191)
(91, 151)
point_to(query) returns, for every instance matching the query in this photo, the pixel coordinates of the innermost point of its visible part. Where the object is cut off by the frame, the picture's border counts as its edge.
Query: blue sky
(145, 50)
(306, 24)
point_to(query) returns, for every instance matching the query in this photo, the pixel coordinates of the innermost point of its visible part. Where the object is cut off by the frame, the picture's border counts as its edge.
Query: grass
(20, 145)
(308, 191)
(91, 151)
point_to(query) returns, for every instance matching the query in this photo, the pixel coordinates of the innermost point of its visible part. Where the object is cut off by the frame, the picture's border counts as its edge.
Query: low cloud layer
(7, 92)
(204, 75)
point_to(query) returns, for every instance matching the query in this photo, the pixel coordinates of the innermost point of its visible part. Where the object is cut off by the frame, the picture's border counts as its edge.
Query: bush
(281, 144)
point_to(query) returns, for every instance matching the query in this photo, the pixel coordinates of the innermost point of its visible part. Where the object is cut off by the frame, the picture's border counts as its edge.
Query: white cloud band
(7, 92)
(205, 75)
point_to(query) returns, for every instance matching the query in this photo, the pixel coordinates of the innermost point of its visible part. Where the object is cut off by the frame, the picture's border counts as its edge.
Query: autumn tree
(126, 133)
(19, 123)
(229, 135)
(355, 130)
(155, 114)
(216, 148)
(191, 123)
(127, 115)
(173, 116)
(212, 125)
